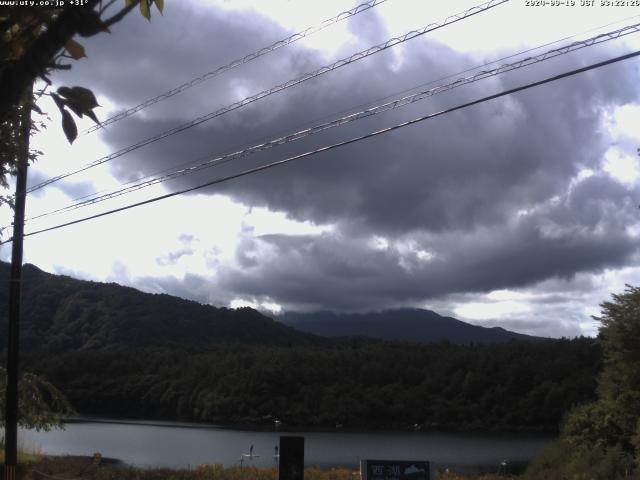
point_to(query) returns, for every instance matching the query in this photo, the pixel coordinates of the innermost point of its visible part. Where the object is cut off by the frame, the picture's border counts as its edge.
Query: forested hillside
(60, 313)
(358, 384)
(115, 351)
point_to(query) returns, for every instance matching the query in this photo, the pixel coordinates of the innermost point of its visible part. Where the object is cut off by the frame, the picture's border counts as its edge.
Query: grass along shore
(40, 467)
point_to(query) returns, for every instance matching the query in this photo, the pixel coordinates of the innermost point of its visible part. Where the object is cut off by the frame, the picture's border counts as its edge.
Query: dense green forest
(356, 383)
(601, 440)
(115, 351)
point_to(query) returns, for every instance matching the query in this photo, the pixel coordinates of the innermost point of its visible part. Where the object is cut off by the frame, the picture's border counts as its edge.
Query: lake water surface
(182, 445)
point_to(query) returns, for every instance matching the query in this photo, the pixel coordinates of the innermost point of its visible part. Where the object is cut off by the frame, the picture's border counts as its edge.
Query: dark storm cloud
(465, 169)
(349, 273)
(469, 168)
(453, 185)
(142, 59)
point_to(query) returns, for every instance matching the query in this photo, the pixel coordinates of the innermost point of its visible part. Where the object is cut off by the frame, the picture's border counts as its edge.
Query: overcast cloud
(511, 195)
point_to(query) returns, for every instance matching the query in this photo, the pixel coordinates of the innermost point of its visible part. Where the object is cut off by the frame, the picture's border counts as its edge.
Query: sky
(520, 212)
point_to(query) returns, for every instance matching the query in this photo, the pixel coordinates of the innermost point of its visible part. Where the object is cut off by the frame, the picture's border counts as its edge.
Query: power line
(375, 110)
(373, 102)
(248, 100)
(339, 144)
(363, 7)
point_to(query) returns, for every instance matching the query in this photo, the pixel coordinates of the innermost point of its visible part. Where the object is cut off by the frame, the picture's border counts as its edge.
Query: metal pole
(15, 284)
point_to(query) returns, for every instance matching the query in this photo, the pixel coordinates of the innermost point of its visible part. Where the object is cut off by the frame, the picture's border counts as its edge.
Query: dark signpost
(291, 465)
(394, 470)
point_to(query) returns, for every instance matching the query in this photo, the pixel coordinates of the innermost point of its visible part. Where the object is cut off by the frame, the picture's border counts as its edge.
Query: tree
(42, 406)
(619, 385)
(602, 439)
(33, 42)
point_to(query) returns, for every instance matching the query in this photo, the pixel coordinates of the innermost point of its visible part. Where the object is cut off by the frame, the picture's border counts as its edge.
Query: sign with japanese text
(394, 470)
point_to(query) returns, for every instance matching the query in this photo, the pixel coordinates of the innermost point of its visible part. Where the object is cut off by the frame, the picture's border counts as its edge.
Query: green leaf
(92, 116)
(59, 101)
(65, 92)
(75, 107)
(69, 126)
(90, 25)
(160, 5)
(144, 9)
(85, 97)
(82, 98)
(75, 49)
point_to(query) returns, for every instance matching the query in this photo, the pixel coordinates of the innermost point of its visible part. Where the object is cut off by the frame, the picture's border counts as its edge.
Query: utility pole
(15, 287)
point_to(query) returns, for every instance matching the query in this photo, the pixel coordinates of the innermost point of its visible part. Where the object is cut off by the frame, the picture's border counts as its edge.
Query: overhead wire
(339, 144)
(367, 104)
(375, 110)
(248, 100)
(363, 7)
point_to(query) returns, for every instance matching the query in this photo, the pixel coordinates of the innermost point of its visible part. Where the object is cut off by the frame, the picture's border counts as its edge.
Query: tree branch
(17, 76)
(59, 66)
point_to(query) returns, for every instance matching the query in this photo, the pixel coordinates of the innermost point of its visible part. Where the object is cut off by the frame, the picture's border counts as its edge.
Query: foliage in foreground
(34, 41)
(75, 467)
(41, 405)
(561, 461)
(601, 440)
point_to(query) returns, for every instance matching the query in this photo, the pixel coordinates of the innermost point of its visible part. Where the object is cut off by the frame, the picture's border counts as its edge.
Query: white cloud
(627, 120)
(270, 307)
(622, 166)
(480, 311)
(262, 221)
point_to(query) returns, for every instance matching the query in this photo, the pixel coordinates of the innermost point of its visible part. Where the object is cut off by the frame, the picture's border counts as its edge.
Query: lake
(184, 445)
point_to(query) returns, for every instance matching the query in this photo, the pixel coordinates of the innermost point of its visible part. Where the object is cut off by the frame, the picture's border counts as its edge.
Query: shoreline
(286, 428)
(149, 444)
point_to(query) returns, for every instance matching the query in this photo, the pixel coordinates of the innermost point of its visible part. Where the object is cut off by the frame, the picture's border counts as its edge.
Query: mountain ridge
(117, 352)
(60, 313)
(63, 313)
(403, 324)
